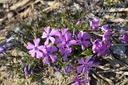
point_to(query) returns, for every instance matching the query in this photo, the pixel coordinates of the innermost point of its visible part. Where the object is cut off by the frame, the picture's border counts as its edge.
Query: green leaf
(87, 52)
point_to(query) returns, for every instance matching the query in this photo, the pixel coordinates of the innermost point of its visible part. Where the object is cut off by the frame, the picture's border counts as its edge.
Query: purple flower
(84, 65)
(35, 49)
(107, 33)
(61, 35)
(65, 52)
(55, 68)
(106, 36)
(82, 39)
(67, 69)
(32, 72)
(78, 22)
(25, 70)
(63, 31)
(99, 47)
(94, 23)
(105, 28)
(96, 45)
(49, 35)
(124, 38)
(2, 49)
(122, 30)
(79, 81)
(49, 49)
(66, 40)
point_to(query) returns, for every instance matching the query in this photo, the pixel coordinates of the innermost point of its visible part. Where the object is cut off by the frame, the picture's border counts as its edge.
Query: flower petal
(86, 43)
(83, 47)
(55, 32)
(72, 42)
(47, 29)
(90, 63)
(46, 60)
(87, 59)
(53, 58)
(79, 68)
(86, 35)
(30, 45)
(44, 35)
(68, 36)
(32, 53)
(64, 30)
(43, 49)
(81, 61)
(52, 40)
(46, 42)
(36, 41)
(76, 83)
(2, 49)
(64, 58)
(53, 49)
(61, 45)
(85, 71)
(105, 28)
(67, 69)
(39, 54)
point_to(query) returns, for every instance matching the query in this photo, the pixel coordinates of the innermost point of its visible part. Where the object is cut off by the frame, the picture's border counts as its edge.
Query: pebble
(10, 15)
(58, 75)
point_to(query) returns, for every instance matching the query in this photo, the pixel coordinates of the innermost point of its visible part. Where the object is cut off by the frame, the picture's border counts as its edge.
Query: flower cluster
(61, 42)
(74, 51)
(101, 47)
(57, 41)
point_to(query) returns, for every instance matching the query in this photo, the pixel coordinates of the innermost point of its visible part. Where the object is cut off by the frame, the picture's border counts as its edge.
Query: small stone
(58, 75)
(10, 15)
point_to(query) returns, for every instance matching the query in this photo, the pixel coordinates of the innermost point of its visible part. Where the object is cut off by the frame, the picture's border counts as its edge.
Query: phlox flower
(84, 65)
(106, 36)
(55, 68)
(97, 44)
(2, 48)
(94, 23)
(68, 68)
(105, 28)
(65, 52)
(107, 33)
(66, 40)
(124, 38)
(25, 70)
(35, 49)
(61, 35)
(48, 54)
(100, 47)
(49, 35)
(79, 81)
(82, 39)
